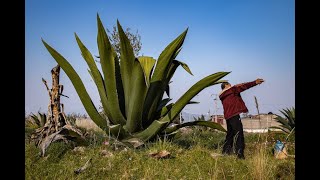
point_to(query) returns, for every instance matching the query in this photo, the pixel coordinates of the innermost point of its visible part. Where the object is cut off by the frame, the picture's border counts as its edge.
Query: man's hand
(259, 81)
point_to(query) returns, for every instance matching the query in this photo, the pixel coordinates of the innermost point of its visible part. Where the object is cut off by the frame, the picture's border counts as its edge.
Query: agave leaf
(96, 76)
(138, 94)
(74, 134)
(184, 99)
(174, 65)
(185, 66)
(147, 64)
(292, 130)
(171, 136)
(153, 91)
(126, 64)
(107, 60)
(193, 102)
(157, 83)
(286, 127)
(118, 131)
(284, 113)
(150, 105)
(148, 133)
(284, 130)
(166, 57)
(162, 108)
(293, 112)
(193, 91)
(281, 120)
(35, 119)
(168, 90)
(42, 119)
(29, 123)
(197, 123)
(289, 115)
(105, 108)
(45, 143)
(163, 103)
(166, 109)
(78, 85)
(277, 132)
(176, 53)
(120, 91)
(66, 133)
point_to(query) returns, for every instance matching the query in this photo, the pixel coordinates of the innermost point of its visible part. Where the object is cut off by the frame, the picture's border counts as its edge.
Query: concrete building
(253, 123)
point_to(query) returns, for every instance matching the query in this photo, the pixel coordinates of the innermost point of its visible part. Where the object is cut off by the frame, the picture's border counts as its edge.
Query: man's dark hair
(223, 85)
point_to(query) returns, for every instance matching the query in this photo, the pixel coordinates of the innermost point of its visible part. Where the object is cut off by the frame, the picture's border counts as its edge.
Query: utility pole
(215, 107)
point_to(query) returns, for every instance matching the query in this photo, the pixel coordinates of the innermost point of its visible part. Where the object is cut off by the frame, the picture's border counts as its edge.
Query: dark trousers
(234, 137)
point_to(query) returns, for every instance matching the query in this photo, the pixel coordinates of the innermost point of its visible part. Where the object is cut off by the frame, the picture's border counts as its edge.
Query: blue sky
(251, 38)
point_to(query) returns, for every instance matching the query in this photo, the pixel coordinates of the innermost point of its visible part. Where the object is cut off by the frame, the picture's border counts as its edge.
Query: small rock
(160, 155)
(135, 142)
(79, 149)
(106, 153)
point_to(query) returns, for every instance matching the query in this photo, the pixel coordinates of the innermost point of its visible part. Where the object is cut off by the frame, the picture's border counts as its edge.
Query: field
(194, 154)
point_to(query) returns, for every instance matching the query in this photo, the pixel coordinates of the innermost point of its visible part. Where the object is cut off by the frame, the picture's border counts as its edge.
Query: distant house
(218, 119)
(263, 116)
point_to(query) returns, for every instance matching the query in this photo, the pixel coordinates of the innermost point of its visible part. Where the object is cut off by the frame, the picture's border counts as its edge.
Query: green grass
(190, 159)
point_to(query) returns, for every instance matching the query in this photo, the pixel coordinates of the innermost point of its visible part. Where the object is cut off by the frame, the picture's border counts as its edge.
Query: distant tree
(135, 40)
(270, 113)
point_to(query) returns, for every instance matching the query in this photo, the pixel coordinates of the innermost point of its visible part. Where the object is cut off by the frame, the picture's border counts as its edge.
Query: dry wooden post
(257, 106)
(56, 118)
(57, 126)
(56, 91)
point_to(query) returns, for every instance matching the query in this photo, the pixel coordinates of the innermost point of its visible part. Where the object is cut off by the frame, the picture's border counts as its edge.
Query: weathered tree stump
(56, 121)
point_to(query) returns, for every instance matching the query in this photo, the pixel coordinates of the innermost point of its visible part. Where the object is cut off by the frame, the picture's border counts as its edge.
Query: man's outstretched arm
(245, 86)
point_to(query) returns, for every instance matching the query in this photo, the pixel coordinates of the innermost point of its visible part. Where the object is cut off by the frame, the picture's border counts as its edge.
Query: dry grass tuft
(87, 124)
(260, 165)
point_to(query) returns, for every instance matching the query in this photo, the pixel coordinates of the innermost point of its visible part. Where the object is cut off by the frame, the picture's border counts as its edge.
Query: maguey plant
(287, 123)
(132, 88)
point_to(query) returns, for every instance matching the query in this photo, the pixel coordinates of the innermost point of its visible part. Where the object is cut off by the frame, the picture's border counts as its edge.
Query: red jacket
(232, 101)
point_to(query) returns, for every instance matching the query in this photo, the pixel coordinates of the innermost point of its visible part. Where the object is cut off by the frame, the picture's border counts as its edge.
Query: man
(233, 105)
